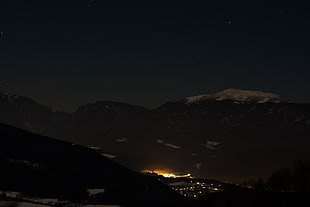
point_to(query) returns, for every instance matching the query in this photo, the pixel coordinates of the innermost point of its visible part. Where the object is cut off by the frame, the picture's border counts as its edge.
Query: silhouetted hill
(45, 167)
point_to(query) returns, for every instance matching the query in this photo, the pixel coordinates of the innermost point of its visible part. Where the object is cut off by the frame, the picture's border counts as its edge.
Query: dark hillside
(46, 167)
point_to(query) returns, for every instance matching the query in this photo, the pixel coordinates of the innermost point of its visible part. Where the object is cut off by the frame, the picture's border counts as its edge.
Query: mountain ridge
(238, 96)
(207, 134)
(218, 96)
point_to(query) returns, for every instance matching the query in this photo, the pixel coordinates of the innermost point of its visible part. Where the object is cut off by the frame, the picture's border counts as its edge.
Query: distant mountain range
(229, 135)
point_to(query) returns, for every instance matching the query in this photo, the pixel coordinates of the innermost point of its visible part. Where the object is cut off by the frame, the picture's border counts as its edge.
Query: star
(3, 35)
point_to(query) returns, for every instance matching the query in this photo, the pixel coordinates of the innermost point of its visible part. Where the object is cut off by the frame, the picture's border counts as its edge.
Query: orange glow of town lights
(170, 175)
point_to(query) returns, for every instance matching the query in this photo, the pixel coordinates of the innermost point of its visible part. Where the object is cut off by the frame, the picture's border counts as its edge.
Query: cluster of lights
(170, 175)
(196, 189)
(188, 187)
(166, 174)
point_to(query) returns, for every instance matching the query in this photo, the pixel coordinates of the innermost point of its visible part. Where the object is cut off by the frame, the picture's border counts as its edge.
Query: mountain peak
(239, 96)
(9, 96)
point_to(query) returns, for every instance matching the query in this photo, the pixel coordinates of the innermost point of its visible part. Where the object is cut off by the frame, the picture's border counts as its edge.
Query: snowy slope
(238, 96)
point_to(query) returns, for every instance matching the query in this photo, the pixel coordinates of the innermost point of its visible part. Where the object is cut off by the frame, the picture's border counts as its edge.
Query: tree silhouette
(301, 177)
(280, 181)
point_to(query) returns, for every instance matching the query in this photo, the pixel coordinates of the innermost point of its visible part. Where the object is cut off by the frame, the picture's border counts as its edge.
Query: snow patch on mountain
(173, 146)
(238, 96)
(123, 139)
(27, 163)
(20, 204)
(212, 145)
(9, 97)
(198, 165)
(95, 191)
(10, 194)
(159, 141)
(110, 156)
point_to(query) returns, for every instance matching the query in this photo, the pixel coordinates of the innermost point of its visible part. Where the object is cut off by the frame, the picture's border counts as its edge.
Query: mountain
(27, 114)
(105, 119)
(229, 135)
(23, 112)
(44, 167)
(233, 141)
(238, 96)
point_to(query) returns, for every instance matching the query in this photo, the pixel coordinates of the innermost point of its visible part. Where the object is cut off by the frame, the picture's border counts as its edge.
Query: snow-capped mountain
(238, 96)
(9, 96)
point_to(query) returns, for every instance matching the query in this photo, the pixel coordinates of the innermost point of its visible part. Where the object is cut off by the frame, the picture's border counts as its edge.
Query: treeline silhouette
(291, 179)
(285, 187)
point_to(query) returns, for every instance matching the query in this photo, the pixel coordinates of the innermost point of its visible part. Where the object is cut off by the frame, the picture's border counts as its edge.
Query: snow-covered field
(15, 199)
(20, 204)
(28, 204)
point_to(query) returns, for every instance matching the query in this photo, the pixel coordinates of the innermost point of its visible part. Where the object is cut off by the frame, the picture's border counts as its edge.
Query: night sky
(67, 53)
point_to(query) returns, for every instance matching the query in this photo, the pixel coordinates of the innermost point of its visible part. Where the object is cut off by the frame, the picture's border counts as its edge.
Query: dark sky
(67, 53)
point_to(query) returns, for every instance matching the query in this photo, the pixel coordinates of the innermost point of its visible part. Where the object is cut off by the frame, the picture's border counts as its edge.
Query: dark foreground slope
(45, 167)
